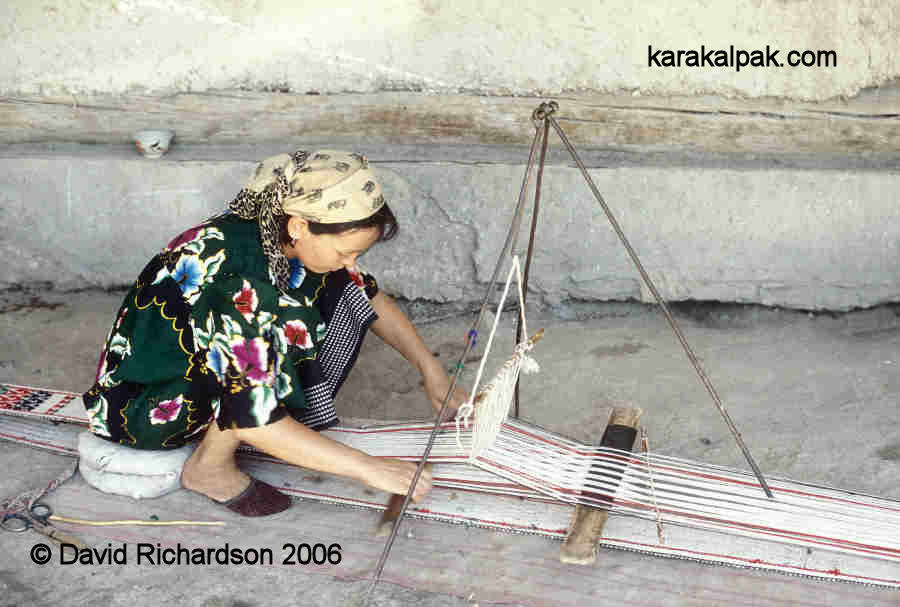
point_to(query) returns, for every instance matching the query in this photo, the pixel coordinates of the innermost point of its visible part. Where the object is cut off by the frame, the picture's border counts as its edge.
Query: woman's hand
(396, 476)
(437, 382)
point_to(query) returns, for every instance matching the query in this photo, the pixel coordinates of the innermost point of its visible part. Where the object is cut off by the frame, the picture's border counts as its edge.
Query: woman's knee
(256, 433)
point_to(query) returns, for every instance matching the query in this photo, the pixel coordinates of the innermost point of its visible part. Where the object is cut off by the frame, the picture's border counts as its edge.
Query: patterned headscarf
(326, 186)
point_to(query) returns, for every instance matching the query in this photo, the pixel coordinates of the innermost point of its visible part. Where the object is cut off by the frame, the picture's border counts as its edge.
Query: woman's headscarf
(325, 186)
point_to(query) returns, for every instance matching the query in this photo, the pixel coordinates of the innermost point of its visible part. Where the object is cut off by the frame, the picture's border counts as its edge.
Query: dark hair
(383, 219)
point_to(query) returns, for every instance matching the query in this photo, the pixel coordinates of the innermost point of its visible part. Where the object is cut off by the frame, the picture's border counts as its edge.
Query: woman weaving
(253, 320)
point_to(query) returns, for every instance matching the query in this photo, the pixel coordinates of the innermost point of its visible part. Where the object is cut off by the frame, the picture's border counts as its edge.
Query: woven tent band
(685, 493)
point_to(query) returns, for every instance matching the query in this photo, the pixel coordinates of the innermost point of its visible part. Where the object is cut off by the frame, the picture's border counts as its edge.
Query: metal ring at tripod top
(543, 111)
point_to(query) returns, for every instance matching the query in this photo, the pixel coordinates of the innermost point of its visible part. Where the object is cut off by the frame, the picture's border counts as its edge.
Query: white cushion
(122, 470)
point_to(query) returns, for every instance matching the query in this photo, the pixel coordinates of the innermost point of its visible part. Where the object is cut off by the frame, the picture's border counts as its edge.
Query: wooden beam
(580, 546)
(868, 123)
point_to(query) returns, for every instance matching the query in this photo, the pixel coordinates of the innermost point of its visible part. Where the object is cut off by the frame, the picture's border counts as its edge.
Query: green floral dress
(205, 335)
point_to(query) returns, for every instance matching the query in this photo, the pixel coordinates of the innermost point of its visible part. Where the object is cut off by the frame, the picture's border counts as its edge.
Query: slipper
(258, 499)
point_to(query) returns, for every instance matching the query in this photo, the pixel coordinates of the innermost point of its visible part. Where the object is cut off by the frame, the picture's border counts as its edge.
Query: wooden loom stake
(580, 546)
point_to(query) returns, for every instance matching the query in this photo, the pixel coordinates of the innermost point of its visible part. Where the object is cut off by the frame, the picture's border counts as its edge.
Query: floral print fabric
(204, 335)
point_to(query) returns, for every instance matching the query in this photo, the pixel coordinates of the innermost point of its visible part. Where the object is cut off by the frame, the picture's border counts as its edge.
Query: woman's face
(328, 252)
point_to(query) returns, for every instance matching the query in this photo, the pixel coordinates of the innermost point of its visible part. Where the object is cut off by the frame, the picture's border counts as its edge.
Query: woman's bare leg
(211, 469)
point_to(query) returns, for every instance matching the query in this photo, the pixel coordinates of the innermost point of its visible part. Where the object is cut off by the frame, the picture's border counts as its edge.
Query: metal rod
(534, 218)
(690, 353)
(471, 338)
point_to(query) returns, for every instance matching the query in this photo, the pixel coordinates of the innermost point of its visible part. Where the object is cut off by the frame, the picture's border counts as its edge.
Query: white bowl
(153, 143)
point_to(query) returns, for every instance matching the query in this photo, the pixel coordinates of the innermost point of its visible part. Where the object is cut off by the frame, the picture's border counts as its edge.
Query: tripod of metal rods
(543, 119)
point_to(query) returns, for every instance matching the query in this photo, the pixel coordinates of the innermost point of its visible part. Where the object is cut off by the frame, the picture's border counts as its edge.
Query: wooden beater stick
(394, 507)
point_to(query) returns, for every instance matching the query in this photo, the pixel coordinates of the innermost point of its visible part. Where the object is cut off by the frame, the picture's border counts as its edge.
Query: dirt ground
(814, 396)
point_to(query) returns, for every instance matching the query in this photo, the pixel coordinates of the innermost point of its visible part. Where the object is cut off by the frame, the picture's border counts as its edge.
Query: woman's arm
(293, 442)
(395, 329)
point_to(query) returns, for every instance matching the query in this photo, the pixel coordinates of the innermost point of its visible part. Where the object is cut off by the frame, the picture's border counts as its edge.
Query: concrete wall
(808, 239)
(441, 46)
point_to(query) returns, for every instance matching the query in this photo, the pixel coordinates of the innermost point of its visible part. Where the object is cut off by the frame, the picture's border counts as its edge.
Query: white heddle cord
(497, 392)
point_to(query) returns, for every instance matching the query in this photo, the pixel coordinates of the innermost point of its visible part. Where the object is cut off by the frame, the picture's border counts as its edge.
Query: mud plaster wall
(437, 46)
